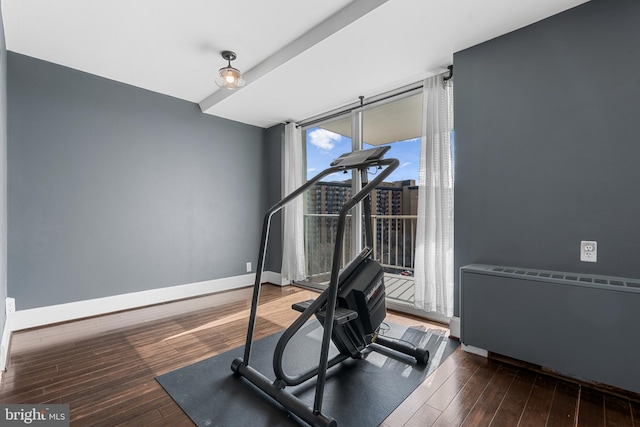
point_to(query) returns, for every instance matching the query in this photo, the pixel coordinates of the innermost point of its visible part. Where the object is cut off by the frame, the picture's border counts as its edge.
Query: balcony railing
(394, 238)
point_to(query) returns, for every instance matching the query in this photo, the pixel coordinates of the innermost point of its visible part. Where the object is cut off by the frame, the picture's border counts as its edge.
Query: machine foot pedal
(302, 305)
(342, 315)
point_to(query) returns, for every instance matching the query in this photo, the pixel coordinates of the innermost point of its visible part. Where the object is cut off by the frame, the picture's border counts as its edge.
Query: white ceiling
(300, 58)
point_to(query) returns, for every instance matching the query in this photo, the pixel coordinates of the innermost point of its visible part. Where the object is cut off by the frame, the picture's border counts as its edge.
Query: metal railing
(394, 240)
(396, 235)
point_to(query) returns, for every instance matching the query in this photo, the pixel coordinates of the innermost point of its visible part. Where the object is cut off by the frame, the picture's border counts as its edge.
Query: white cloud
(405, 164)
(311, 169)
(324, 139)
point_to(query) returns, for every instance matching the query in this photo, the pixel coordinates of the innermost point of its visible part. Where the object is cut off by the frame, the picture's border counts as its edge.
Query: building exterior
(394, 209)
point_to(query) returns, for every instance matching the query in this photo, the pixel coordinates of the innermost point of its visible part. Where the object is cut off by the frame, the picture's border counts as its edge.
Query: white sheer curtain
(293, 261)
(434, 269)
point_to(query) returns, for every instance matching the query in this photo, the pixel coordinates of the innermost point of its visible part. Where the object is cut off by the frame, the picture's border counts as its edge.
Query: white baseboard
(475, 350)
(408, 308)
(4, 344)
(41, 316)
(454, 327)
(273, 277)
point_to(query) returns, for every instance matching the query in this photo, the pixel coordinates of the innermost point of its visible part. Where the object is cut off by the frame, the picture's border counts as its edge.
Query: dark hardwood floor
(105, 368)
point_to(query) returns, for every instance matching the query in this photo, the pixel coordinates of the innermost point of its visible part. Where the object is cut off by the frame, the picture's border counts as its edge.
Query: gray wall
(274, 146)
(546, 143)
(3, 174)
(114, 189)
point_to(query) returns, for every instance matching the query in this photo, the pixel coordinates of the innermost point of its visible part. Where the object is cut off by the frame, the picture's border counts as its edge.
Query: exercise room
(344, 213)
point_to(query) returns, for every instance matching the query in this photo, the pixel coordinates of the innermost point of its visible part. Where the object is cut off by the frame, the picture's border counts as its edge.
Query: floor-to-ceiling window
(324, 200)
(395, 121)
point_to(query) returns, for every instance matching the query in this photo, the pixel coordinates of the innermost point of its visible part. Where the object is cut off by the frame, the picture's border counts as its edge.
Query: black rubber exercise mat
(358, 393)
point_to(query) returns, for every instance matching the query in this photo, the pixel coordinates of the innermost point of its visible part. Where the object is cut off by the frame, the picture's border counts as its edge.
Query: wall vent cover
(597, 281)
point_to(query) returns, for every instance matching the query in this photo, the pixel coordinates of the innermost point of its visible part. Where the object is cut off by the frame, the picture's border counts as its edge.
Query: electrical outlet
(10, 305)
(249, 267)
(588, 251)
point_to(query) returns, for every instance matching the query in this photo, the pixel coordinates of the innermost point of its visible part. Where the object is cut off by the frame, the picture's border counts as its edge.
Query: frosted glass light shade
(230, 78)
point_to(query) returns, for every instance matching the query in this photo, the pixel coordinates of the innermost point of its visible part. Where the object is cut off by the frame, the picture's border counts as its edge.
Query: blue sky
(324, 146)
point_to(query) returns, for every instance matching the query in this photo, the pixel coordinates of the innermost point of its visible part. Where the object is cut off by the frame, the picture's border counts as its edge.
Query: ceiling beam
(339, 20)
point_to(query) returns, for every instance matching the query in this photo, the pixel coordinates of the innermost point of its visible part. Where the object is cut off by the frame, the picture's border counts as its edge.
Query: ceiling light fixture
(229, 77)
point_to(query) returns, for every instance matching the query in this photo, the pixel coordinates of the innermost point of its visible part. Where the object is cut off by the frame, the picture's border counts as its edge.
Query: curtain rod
(363, 104)
(450, 76)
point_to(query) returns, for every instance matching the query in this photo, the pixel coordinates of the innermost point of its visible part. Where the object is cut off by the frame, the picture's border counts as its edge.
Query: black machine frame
(362, 161)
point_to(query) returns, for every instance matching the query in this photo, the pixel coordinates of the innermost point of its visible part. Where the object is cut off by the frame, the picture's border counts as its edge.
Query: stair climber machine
(350, 309)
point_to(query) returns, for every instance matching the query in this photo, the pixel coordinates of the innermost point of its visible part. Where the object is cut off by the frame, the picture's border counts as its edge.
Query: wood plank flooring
(105, 368)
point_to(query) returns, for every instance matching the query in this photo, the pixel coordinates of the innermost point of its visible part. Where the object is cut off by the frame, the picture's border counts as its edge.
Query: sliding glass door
(398, 123)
